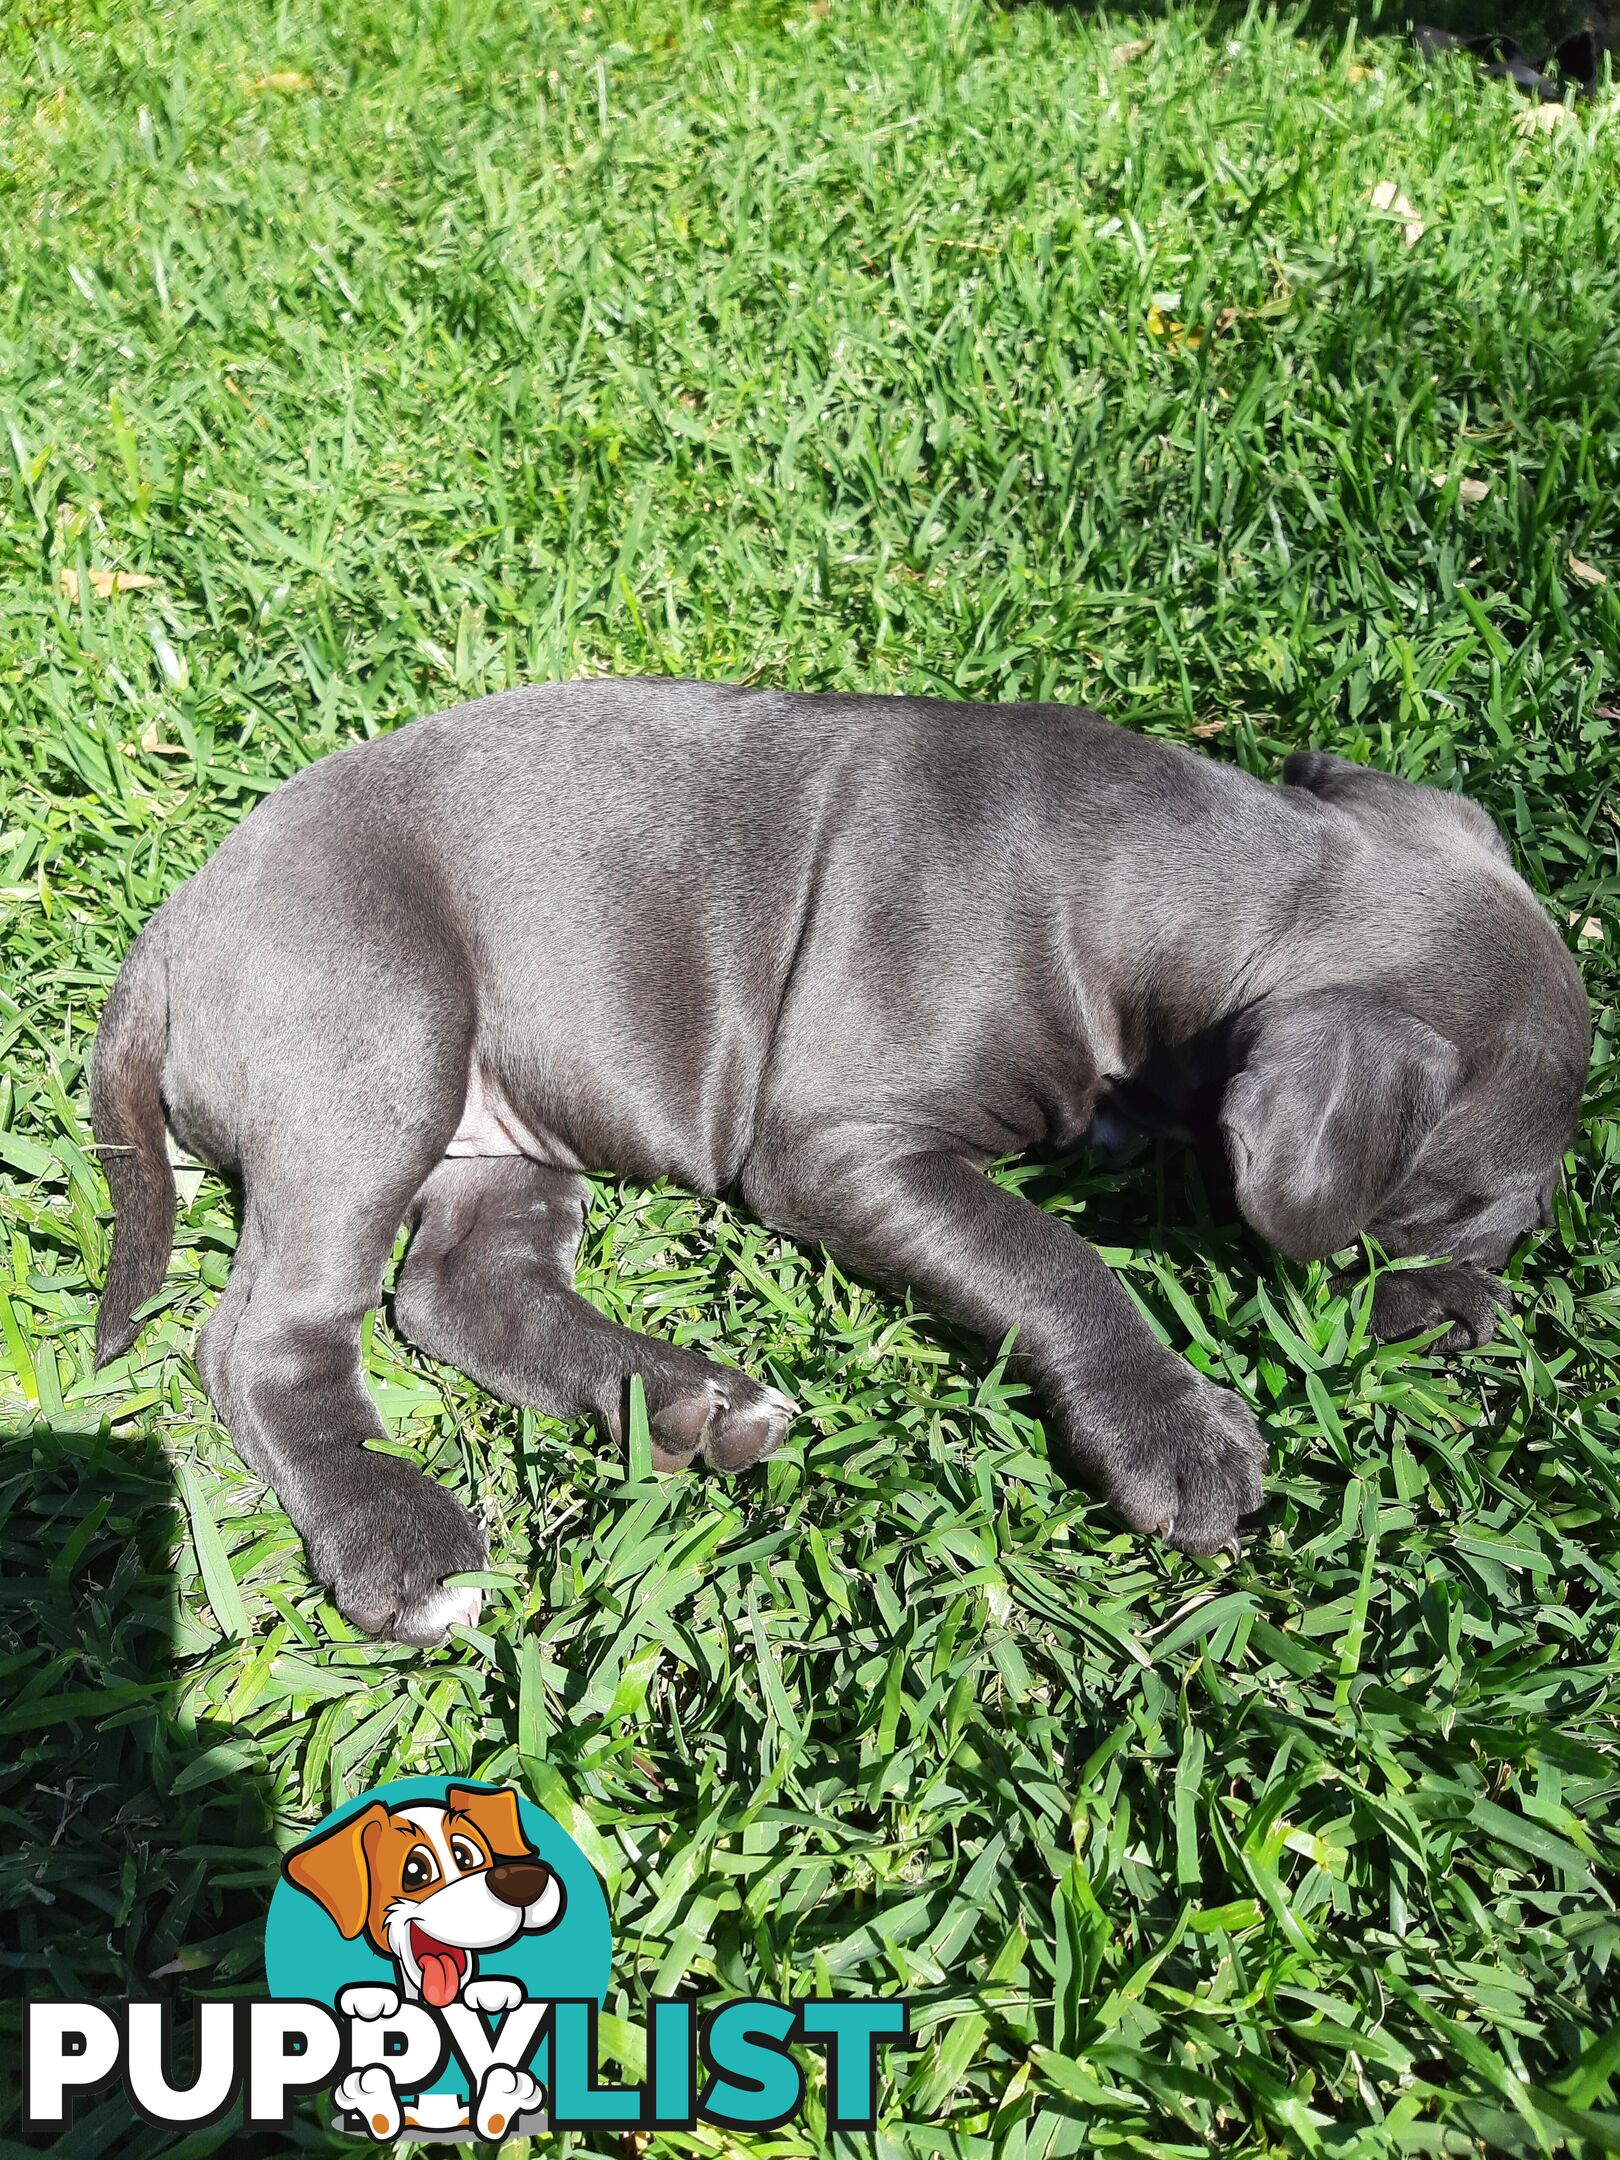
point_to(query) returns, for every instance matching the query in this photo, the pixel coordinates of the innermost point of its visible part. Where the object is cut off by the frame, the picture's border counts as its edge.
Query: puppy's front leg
(1173, 1453)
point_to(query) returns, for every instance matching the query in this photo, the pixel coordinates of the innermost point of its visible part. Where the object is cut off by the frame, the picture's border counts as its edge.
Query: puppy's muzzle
(517, 1882)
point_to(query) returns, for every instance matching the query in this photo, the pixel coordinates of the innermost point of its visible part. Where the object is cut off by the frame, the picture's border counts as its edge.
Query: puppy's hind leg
(488, 1286)
(340, 1129)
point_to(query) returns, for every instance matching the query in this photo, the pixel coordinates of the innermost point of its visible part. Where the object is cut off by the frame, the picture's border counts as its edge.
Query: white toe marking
(447, 1609)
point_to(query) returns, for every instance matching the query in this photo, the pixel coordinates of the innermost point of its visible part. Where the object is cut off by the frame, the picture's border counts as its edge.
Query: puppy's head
(1428, 1097)
(431, 1884)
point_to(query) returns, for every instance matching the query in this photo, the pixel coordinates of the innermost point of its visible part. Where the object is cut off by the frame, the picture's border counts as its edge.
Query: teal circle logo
(448, 1895)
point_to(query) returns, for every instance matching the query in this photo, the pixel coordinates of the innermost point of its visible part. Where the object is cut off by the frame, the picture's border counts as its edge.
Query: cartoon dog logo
(432, 1887)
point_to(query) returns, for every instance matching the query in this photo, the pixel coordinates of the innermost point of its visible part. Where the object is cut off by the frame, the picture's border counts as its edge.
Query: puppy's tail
(126, 1114)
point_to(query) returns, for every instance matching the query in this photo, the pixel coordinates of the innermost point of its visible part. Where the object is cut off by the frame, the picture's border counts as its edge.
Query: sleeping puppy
(832, 955)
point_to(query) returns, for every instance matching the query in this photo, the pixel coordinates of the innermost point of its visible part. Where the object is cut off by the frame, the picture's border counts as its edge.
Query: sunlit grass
(381, 356)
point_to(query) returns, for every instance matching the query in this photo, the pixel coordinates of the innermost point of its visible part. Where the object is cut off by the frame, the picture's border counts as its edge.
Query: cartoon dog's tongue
(442, 1967)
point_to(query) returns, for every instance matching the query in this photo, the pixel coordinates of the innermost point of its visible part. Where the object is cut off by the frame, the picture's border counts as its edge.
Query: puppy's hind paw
(731, 1421)
(751, 1427)
(384, 1538)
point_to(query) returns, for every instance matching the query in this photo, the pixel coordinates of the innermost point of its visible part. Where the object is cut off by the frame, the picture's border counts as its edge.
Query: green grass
(407, 351)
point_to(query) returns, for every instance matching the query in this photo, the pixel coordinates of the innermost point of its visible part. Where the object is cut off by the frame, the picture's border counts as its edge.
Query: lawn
(356, 359)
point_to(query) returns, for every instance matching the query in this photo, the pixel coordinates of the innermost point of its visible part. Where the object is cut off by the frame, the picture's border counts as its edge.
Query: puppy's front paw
(370, 2094)
(368, 2002)
(494, 1997)
(1183, 1460)
(1466, 1302)
(384, 1537)
(504, 2097)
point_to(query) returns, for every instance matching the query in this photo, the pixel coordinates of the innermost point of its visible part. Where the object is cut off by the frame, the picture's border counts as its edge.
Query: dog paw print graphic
(440, 1919)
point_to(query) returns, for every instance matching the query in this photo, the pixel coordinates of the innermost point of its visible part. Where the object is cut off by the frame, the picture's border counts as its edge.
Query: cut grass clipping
(1230, 375)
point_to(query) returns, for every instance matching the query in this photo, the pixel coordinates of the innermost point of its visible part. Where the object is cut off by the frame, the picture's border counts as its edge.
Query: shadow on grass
(138, 1852)
(1534, 30)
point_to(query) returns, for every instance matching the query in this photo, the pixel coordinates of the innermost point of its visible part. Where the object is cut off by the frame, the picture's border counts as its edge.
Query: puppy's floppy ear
(495, 1816)
(1339, 780)
(1362, 788)
(335, 1868)
(1338, 1091)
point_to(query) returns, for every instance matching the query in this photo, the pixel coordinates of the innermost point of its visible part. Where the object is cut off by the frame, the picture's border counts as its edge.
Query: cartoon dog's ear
(495, 1816)
(335, 1868)
(1338, 1092)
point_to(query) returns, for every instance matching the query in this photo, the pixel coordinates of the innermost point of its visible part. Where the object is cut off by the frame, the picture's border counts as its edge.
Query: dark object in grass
(834, 954)
(1575, 63)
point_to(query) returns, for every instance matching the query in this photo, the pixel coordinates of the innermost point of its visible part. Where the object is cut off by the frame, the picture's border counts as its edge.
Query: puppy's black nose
(518, 1882)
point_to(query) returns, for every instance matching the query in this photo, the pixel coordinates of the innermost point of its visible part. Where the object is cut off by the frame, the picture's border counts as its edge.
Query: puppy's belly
(490, 1126)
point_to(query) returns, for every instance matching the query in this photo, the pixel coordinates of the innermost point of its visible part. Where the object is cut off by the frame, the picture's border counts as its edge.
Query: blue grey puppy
(832, 955)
